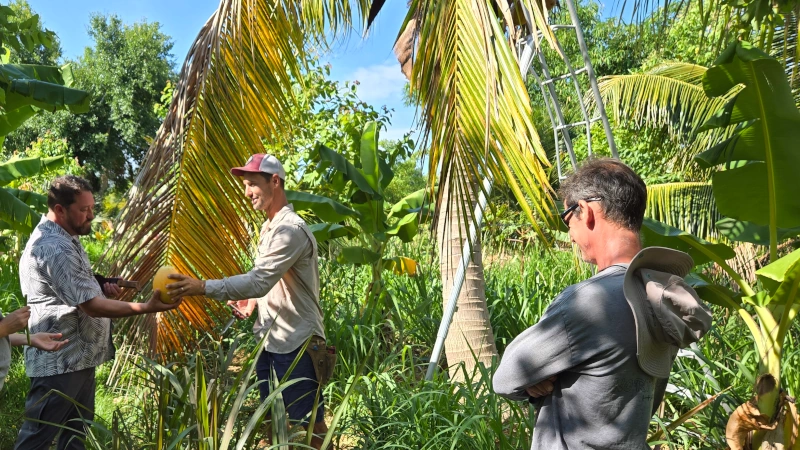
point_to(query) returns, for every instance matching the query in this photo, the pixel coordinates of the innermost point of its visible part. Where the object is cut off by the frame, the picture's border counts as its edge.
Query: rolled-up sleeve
(275, 256)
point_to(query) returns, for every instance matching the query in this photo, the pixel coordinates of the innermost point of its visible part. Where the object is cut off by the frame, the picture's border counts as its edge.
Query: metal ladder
(530, 52)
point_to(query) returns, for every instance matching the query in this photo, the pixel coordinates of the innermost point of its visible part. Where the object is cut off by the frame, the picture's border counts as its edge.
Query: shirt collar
(279, 216)
(51, 228)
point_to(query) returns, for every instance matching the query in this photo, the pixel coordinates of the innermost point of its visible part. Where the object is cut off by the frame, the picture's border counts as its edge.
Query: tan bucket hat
(667, 311)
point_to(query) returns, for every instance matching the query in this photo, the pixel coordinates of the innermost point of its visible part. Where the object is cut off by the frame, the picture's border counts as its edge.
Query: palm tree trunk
(470, 340)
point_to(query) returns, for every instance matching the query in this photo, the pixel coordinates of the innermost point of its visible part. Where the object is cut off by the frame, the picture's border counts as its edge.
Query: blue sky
(370, 61)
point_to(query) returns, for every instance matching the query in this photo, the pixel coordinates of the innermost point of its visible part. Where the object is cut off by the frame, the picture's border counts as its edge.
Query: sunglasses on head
(564, 215)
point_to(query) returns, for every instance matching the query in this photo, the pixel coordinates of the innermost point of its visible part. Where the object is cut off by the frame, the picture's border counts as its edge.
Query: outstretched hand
(48, 341)
(154, 304)
(185, 286)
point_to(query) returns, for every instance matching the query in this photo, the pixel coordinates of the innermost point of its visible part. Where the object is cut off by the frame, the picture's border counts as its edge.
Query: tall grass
(378, 398)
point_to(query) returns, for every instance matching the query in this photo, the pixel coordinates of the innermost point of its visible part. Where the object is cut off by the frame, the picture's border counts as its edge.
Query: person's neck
(277, 204)
(51, 216)
(618, 248)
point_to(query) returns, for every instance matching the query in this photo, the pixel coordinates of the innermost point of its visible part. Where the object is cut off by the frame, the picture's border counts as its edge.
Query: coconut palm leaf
(475, 107)
(687, 206)
(785, 49)
(185, 208)
(669, 96)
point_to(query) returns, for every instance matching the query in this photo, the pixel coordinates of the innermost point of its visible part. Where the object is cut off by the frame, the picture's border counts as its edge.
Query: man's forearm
(241, 287)
(17, 339)
(112, 309)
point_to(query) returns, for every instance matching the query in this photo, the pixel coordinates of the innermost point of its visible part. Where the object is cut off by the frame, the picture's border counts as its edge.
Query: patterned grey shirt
(56, 277)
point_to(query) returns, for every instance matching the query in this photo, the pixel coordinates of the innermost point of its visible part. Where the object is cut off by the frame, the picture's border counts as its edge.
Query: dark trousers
(299, 397)
(54, 408)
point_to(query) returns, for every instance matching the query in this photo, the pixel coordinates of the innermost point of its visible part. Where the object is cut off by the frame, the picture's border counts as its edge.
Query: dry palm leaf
(185, 208)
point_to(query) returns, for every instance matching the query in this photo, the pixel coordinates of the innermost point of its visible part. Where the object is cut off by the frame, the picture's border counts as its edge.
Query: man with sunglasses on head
(591, 364)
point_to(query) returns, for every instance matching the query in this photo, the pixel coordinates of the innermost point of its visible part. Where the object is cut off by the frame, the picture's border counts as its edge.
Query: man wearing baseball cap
(284, 285)
(598, 361)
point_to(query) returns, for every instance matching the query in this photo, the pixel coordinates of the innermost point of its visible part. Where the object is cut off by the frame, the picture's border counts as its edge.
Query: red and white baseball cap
(261, 163)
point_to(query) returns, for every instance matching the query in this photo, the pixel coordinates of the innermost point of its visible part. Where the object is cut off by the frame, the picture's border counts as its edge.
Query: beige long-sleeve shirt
(284, 279)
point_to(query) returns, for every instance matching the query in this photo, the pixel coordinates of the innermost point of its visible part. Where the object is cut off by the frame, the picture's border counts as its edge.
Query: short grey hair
(622, 192)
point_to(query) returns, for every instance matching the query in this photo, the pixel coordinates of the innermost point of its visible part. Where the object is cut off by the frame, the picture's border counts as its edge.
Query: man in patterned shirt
(65, 298)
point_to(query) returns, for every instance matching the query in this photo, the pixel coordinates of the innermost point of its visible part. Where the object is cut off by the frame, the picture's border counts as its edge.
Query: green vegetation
(703, 98)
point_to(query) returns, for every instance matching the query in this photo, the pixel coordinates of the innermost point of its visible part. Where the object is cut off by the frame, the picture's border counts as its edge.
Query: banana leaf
(19, 216)
(406, 228)
(401, 265)
(763, 191)
(416, 202)
(740, 231)
(357, 255)
(370, 167)
(326, 231)
(44, 87)
(26, 167)
(772, 275)
(346, 168)
(36, 201)
(325, 208)
(659, 234)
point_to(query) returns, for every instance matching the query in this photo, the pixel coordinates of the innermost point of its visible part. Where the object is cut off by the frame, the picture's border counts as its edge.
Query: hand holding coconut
(185, 286)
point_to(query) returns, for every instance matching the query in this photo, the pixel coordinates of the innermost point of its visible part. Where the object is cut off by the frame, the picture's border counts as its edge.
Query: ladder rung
(565, 76)
(576, 124)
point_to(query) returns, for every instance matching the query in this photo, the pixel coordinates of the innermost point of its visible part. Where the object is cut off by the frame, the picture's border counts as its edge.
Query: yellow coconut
(161, 281)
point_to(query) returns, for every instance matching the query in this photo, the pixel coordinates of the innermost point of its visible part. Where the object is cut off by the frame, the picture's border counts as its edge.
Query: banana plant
(754, 186)
(25, 90)
(363, 219)
(20, 210)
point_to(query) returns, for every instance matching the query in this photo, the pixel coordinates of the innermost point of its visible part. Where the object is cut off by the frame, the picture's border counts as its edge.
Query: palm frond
(185, 209)
(681, 71)
(785, 49)
(669, 96)
(475, 107)
(686, 206)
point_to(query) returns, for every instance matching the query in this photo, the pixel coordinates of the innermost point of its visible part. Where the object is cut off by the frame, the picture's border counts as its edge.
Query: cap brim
(239, 171)
(655, 358)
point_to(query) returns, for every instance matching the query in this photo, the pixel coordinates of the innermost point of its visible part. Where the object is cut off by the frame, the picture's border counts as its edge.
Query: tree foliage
(127, 68)
(21, 32)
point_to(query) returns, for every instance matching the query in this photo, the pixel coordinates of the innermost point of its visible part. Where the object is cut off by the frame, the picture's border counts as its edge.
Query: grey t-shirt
(5, 358)
(601, 399)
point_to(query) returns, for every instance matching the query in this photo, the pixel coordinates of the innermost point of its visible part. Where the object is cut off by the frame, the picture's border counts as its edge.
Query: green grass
(378, 392)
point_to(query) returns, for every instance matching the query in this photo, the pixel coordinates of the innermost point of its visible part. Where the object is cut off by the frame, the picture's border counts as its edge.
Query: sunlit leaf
(401, 265)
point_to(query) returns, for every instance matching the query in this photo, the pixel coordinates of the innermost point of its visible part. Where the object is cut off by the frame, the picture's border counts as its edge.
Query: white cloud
(379, 83)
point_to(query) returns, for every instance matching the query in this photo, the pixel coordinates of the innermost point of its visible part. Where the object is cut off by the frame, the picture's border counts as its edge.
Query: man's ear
(589, 217)
(59, 210)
